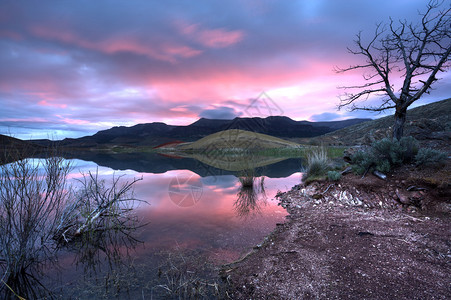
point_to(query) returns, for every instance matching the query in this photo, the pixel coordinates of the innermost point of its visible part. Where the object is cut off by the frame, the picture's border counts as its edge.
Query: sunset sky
(72, 68)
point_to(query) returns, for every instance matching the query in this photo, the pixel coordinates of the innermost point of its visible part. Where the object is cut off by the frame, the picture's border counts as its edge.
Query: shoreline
(357, 238)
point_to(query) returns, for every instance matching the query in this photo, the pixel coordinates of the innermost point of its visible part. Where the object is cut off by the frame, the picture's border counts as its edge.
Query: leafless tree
(33, 195)
(413, 52)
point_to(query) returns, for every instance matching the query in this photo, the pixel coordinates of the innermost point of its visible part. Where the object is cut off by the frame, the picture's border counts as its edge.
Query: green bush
(383, 166)
(362, 161)
(388, 150)
(333, 175)
(385, 154)
(427, 156)
(410, 148)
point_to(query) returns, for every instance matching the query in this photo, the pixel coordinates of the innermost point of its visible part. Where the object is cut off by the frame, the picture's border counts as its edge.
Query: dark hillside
(430, 124)
(12, 149)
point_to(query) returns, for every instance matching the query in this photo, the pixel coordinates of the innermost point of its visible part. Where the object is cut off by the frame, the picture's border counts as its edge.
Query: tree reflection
(102, 252)
(104, 257)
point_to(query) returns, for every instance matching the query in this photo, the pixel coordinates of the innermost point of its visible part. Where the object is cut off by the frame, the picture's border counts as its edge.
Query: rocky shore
(359, 238)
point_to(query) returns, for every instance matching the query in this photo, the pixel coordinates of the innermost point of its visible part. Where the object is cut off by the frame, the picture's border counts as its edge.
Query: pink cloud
(11, 35)
(46, 103)
(212, 38)
(28, 120)
(73, 121)
(169, 51)
(182, 51)
(220, 38)
(210, 85)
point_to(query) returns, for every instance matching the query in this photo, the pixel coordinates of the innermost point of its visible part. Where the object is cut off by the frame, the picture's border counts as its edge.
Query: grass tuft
(318, 164)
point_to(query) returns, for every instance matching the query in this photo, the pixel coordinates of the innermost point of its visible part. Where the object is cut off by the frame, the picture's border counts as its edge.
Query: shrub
(385, 154)
(333, 175)
(410, 148)
(383, 166)
(40, 212)
(427, 156)
(362, 161)
(32, 201)
(389, 150)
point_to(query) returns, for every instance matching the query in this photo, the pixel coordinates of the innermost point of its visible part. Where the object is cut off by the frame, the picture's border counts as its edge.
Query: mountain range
(154, 134)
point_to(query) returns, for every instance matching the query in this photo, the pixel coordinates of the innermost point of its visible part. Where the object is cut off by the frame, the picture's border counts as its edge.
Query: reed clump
(40, 212)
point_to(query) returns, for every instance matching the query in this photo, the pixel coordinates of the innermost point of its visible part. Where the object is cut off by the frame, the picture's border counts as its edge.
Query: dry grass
(40, 212)
(318, 163)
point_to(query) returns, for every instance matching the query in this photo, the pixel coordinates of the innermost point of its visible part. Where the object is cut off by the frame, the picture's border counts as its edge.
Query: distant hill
(210, 149)
(154, 134)
(430, 124)
(12, 149)
(238, 139)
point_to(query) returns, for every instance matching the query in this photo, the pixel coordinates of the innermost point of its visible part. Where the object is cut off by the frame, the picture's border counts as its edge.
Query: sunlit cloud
(74, 68)
(119, 44)
(213, 38)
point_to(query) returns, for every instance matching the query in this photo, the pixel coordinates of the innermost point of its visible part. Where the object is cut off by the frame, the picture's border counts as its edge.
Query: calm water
(197, 218)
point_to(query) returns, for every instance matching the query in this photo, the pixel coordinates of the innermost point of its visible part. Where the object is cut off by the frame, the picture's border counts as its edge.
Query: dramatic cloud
(71, 68)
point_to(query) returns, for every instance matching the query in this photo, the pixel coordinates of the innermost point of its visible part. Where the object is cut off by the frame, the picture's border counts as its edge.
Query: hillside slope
(238, 139)
(430, 124)
(12, 149)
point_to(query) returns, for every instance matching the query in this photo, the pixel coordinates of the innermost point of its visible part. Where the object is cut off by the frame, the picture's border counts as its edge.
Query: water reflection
(205, 219)
(101, 261)
(40, 214)
(98, 253)
(202, 165)
(251, 196)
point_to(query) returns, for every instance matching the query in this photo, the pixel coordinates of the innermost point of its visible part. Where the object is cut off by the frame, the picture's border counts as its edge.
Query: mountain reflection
(203, 165)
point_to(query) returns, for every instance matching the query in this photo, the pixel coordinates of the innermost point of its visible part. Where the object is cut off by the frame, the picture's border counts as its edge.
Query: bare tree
(414, 52)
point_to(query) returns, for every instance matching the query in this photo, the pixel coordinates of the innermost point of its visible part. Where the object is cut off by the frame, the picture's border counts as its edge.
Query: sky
(72, 68)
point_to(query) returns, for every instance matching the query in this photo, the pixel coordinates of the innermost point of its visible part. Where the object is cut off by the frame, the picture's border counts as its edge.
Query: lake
(195, 218)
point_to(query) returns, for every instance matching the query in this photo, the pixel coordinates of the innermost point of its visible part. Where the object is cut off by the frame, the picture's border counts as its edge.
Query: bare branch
(417, 52)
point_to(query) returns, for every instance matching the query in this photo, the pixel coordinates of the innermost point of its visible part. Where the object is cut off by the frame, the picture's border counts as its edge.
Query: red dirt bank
(356, 239)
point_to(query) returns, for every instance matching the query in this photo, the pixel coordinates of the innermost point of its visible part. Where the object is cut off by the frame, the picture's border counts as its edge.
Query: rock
(317, 196)
(416, 195)
(346, 171)
(415, 188)
(380, 175)
(402, 198)
(349, 153)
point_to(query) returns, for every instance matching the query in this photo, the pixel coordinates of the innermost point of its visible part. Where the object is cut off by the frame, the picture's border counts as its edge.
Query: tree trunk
(398, 127)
